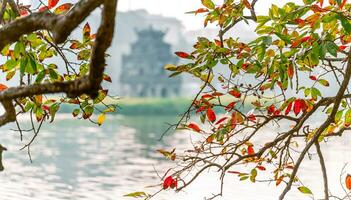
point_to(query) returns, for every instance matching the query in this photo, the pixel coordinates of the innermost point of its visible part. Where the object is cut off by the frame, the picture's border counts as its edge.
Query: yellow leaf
(170, 67)
(101, 119)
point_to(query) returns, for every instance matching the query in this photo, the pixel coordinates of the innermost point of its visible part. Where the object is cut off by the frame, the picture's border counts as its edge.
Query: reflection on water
(77, 160)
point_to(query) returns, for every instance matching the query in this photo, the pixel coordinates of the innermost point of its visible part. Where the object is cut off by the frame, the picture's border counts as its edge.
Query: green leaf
(253, 175)
(137, 194)
(23, 65)
(53, 110)
(332, 48)
(323, 82)
(76, 112)
(208, 4)
(40, 77)
(348, 117)
(19, 50)
(10, 64)
(345, 23)
(304, 190)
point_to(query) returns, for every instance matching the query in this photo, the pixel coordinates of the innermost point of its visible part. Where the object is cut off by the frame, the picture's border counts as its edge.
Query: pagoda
(143, 73)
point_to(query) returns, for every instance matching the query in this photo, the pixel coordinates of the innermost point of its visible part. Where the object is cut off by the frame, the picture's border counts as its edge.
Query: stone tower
(142, 73)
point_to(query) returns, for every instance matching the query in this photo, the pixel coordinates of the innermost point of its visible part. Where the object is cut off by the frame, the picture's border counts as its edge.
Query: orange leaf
(3, 87)
(86, 30)
(201, 10)
(321, 2)
(247, 4)
(342, 4)
(348, 182)
(211, 116)
(74, 45)
(279, 180)
(210, 139)
(194, 126)
(183, 55)
(52, 3)
(218, 43)
(290, 71)
(235, 93)
(63, 8)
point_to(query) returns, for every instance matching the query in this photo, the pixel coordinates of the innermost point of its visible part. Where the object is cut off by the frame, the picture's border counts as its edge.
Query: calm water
(77, 160)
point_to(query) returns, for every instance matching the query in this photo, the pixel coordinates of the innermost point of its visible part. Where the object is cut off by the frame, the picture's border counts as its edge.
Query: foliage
(36, 58)
(300, 51)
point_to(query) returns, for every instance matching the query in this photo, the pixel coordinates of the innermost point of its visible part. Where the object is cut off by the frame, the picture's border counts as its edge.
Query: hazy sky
(177, 8)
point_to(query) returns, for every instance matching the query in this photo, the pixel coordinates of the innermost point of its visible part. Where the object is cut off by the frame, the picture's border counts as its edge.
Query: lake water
(77, 160)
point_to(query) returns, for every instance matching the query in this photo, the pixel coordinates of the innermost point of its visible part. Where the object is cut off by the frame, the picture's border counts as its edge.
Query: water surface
(77, 160)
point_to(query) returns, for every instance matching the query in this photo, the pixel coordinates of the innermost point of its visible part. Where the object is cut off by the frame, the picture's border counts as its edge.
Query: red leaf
(348, 182)
(217, 94)
(44, 8)
(313, 78)
(342, 47)
(211, 116)
(107, 78)
(23, 12)
(288, 109)
(45, 107)
(297, 107)
(194, 126)
(305, 39)
(183, 55)
(3, 87)
(230, 106)
(271, 109)
(206, 96)
(221, 120)
(52, 3)
(168, 182)
(250, 150)
(261, 168)
(235, 93)
(300, 21)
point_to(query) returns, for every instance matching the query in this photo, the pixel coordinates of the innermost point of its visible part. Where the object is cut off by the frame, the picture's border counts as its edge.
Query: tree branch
(61, 27)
